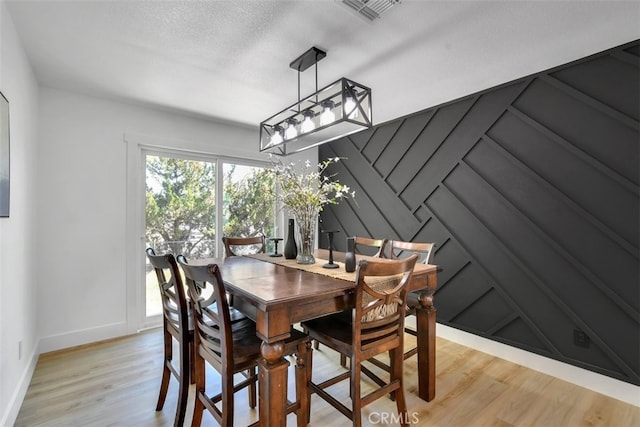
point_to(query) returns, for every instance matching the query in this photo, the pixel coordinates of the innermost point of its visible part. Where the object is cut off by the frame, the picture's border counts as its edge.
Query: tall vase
(350, 256)
(307, 219)
(290, 248)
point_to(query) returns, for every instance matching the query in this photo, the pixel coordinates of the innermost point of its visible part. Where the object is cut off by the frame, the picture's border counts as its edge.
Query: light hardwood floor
(115, 383)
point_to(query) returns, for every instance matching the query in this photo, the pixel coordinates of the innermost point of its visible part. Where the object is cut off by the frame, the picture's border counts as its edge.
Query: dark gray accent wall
(531, 192)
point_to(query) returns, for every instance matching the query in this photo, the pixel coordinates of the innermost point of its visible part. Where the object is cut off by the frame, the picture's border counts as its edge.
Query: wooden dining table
(279, 293)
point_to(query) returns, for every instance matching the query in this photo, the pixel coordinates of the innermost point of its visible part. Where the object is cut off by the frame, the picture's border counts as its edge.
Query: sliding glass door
(180, 213)
(191, 202)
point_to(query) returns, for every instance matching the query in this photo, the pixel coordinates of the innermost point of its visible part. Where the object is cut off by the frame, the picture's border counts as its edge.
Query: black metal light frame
(349, 117)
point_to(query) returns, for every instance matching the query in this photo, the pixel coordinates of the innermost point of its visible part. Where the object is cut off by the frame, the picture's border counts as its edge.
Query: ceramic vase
(290, 248)
(350, 256)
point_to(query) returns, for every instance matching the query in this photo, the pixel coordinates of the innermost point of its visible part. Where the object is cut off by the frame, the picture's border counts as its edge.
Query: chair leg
(252, 390)
(356, 404)
(198, 406)
(397, 362)
(227, 399)
(183, 390)
(309, 371)
(166, 373)
(303, 361)
(392, 363)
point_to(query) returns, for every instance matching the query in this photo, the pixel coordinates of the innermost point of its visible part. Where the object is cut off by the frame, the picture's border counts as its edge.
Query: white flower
(305, 193)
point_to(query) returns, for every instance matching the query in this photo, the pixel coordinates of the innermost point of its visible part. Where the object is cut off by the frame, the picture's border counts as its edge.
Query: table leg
(272, 379)
(426, 328)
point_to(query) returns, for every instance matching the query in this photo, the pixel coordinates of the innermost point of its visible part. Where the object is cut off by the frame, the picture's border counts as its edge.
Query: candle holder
(275, 241)
(331, 264)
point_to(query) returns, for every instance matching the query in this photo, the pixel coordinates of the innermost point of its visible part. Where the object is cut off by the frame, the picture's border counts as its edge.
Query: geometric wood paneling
(531, 192)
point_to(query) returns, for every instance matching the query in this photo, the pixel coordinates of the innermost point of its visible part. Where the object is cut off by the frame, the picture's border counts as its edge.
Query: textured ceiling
(229, 60)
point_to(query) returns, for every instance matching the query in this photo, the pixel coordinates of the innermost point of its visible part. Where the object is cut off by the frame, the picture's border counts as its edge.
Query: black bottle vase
(290, 248)
(350, 256)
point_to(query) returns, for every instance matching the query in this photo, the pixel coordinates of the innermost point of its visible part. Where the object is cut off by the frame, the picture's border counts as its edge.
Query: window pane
(180, 213)
(248, 201)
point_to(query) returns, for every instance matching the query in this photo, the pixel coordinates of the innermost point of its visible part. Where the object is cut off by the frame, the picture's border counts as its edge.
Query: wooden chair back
(212, 322)
(172, 292)
(399, 249)
(380, 302)
(234, 246)
(369, 246)
(175, 322)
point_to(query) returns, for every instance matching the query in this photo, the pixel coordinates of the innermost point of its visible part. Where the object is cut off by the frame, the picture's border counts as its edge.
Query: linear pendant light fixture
(337, 110)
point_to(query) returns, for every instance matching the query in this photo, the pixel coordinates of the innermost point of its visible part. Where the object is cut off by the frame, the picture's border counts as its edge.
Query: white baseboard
(602, 384)
(9, 417)
(80, 337)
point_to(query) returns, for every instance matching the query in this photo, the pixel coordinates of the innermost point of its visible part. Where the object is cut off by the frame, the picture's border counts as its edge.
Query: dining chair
(369, 246)
(400, 249)
(363, 246)
(232, 348)
(234, 246)
(175, 324)
(375, 325)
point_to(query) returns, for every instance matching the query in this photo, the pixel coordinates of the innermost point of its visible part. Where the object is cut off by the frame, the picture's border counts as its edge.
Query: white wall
(82, 224)
(18, 309)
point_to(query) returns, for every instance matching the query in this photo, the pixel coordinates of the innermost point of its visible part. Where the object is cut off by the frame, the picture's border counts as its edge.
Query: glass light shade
(327, 116)
(291, 131)
(350, 107)
(276, 138)
(307, 124)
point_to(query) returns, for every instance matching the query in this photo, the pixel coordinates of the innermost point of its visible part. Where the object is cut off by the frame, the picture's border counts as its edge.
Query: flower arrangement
(304, 194)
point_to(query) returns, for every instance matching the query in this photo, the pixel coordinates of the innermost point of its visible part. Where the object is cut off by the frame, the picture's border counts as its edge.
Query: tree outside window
(181, 206)
(248, 201)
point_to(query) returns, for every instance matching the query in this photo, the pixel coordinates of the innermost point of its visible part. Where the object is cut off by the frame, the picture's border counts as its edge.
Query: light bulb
(307, 124)
(291, 131)
(350, 107)
(276, 138)
(327, 115)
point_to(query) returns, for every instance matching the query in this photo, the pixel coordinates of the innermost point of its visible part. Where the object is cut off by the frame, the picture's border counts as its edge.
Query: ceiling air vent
(371, 9)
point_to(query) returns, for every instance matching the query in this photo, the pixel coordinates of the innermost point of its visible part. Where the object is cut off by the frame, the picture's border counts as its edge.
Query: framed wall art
(4, 156)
